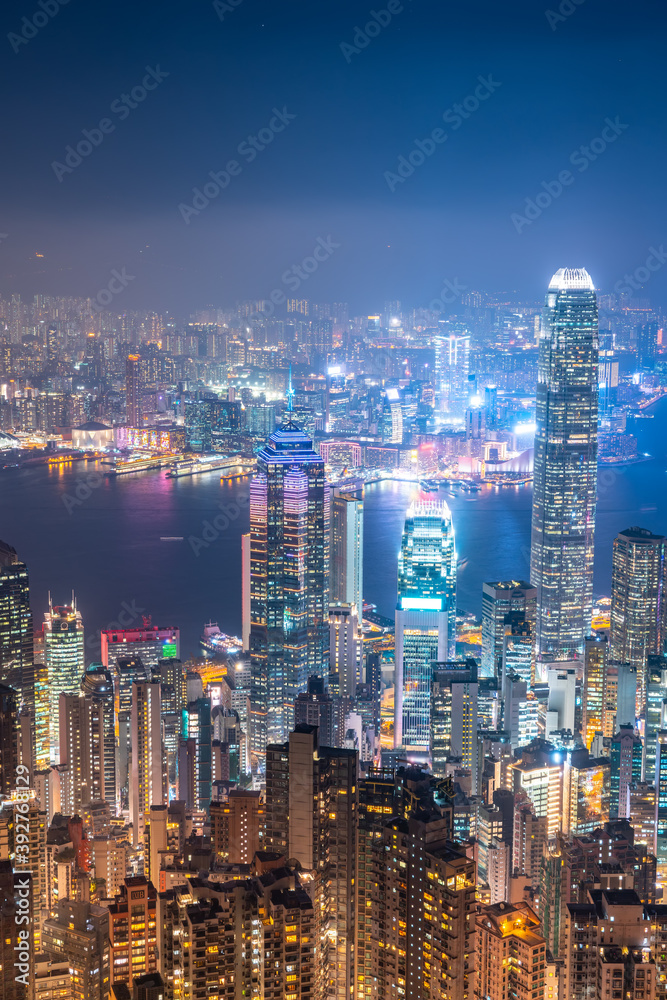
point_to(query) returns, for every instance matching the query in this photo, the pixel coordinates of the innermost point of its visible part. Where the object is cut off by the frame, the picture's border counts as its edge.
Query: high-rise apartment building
(626, 769)
(511, 953)
(133, 939)
(425, 618)
(499, 600)
(65, 661)
(133, 390)
(454, 716)
(593, 696)
(79, 934)
(289, 579)
(565, 467)
(321, 839)
(9, 729)
(148, 771)
(237, 826)
(97, 685)
(82, 750)
(638, 601)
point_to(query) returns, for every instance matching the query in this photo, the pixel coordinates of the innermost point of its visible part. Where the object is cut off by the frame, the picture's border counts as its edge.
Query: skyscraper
(499, 600)
(425, 617)
(15, 616)
(564, 491)
(133, 413)
(638, 601)
(289, 579)
(148, 770)
(347, 545)
(97, 685)
(65, 663)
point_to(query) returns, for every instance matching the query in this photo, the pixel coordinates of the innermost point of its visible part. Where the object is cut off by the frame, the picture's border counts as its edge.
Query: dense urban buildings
(335, 803)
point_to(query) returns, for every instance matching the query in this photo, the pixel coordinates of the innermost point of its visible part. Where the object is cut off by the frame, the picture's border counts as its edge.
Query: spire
(290, 393)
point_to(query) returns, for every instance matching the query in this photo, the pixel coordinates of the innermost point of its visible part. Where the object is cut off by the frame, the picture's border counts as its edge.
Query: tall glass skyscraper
(425, 617)
(65, 661)
(16, 648)
(289, 580)
(565, 476)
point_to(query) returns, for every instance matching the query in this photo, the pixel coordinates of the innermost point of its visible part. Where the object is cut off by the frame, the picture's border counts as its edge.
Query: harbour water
(115, 541)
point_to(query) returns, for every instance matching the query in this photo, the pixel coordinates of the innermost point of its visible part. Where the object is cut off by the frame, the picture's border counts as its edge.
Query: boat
(217, 643)
(171, 538)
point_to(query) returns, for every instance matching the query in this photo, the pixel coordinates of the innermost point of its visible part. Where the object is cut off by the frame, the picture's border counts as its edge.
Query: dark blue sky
(324, 174)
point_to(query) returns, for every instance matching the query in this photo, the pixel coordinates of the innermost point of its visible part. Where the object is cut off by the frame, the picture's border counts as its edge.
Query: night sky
(360, 102)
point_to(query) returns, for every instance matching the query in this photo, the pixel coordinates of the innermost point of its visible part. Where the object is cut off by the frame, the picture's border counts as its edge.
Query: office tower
(638, 601)
(422, 912)
(126, 671)
(452, 366)
(237, 826)
(315, 707)
(82, 746)
(9, 728)
(151, 643)
(642, 813)
(65, 663)
(347, 545)
(199, 729)
(626, 686)
(454, 716)
(322, 840)
(425, 617)
(245, 591)
(132, 931)
(38, 685)
(133, 391)
(564, 490)
(592, 701)
(97, 685)
(520, 711)
(562, 681)
(289, 529)
(586, 791)
(626, 768)
(345, 647)
(79, 934)
(656, 711)
(518, 655)
(147, 784)
(511, 953)
(499, 600)
(391, 424)
(542, 782)
(661, 804)
(261, 938)
(16, 642)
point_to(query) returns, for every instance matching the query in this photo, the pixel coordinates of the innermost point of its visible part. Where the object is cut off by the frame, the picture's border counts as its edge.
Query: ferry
(217, 643)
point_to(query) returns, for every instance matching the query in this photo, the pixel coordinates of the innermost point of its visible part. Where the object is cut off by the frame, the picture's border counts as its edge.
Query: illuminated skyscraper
(289, 579)
(65, 662)
(133, 412)
(593, 699)
(638, 601)
(15, 616)
(347, 545)
(564, 491)
(452, 366)
(97, 685)
(425, 617)
(499, 600)
(148, 770)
